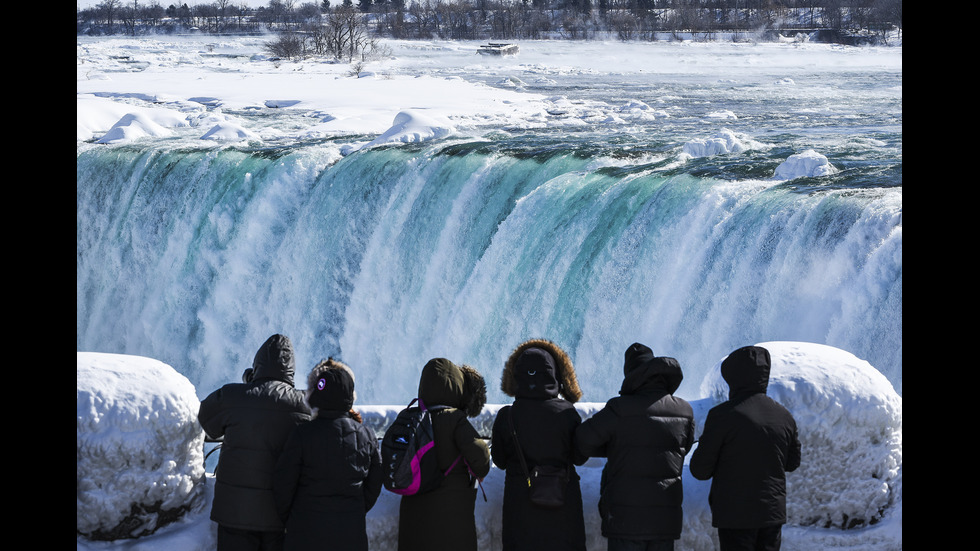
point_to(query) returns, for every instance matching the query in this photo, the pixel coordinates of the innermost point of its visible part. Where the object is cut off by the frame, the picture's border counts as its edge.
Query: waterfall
(387, 257)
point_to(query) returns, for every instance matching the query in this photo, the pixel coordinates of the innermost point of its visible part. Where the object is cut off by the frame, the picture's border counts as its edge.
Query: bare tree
(128, 16)
(108, 9)
(153, 13)
(346, 32)
(287, 45)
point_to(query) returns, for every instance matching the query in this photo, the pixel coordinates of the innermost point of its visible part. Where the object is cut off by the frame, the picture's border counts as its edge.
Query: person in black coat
(253, 419)
(644, 433)
(541, 378)
(329, 474)
(748, 445)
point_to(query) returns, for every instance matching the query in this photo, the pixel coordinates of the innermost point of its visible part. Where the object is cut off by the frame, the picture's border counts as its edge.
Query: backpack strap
(472, 474)
(426, 408)
(458, 457)
(478, 481)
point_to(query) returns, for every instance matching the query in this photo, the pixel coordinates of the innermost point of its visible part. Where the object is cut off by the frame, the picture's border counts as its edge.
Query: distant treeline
(831, 20)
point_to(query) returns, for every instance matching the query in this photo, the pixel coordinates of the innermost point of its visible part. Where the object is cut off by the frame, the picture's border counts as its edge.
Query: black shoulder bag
(546, 484)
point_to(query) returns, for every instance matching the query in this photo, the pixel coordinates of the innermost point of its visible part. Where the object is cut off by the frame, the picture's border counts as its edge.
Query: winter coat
(541, 378)
(443, 519)
(329, 474)
(748, 444)
(253, 419)
(644, 433)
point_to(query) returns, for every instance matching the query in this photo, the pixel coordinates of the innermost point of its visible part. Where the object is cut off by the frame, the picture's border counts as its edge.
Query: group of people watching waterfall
(300, 470)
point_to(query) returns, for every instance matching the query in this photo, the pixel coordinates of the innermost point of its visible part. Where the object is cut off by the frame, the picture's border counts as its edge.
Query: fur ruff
(565, 371)
(474, 391)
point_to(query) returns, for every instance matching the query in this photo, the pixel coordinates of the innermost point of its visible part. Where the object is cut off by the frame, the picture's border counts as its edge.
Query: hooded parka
(644, 433)
(253, 420)
(541, 378)
(443, 519)
(748, 444)
(329, 474)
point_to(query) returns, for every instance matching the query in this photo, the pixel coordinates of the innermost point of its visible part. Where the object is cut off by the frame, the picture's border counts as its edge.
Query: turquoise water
(594, 236)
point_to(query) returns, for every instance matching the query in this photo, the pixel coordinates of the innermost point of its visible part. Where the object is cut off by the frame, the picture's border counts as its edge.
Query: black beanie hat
(331, 387)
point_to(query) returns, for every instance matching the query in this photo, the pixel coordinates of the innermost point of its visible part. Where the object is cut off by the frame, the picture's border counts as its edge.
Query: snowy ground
(139, 88)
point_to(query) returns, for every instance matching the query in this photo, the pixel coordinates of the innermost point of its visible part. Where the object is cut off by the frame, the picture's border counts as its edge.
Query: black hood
(636, 355)
(275, 360)
(746, 371)
(645, 372)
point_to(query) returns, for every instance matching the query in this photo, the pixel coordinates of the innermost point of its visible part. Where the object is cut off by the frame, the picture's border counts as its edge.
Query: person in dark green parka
(443, 519)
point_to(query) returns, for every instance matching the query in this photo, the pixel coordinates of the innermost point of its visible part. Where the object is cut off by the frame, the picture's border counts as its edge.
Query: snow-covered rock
(140, 461)
(807, 163)
(723, 143)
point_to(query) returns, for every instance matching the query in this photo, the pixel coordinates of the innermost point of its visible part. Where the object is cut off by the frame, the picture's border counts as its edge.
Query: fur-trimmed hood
(539, 368)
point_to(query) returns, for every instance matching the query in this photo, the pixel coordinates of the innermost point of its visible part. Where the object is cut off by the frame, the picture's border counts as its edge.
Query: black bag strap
(520, 453)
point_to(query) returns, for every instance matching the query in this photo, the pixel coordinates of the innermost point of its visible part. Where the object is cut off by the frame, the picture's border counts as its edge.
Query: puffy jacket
(253, 419)
(329, 474)
(644, 433)
(541, 378)
(748, 444)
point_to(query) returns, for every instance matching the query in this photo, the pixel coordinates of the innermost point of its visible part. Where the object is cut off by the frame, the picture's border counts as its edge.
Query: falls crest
(388, 257)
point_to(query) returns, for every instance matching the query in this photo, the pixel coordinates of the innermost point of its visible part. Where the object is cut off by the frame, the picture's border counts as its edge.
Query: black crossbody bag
(546, 484)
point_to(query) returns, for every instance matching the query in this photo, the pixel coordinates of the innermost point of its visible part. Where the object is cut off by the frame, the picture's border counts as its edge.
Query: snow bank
(808, 163)
(229, 131)
(133, 126)
(95, 114)
(413, 126)
(140, 462)
(847, 494)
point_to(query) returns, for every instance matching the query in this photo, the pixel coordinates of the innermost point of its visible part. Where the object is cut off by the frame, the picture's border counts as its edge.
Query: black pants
(754, 539)
(615, 544)
(233, 539)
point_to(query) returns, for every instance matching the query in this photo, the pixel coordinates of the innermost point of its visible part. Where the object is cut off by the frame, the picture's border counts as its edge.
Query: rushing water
(593, 235)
